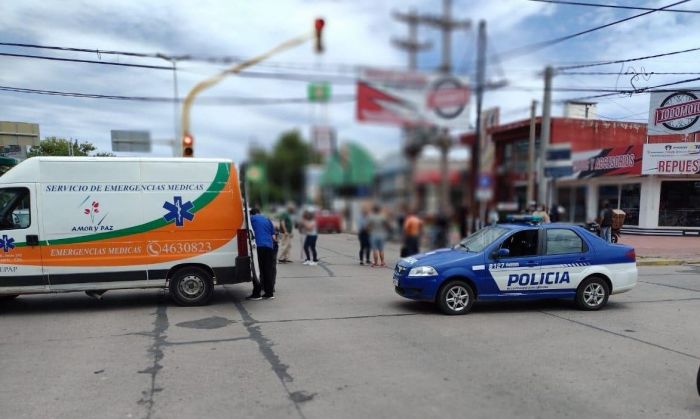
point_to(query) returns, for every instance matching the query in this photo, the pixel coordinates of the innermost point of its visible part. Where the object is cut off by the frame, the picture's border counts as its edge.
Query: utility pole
(545, 132)
(480, 81)
(446, 25)
(412, 146)
(531, 153)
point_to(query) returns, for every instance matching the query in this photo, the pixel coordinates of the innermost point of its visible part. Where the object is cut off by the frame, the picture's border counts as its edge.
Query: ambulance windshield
(482, 238)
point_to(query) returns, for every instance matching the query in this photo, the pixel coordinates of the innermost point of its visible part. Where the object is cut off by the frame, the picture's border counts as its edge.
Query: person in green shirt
(286, 234)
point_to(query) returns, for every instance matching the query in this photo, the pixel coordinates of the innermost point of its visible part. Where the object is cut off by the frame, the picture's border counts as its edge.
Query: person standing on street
(378, 230)
(311, 232)
(287, 233)
(606, 222)
(363, 235)
(412, 231)
(541, 211)
(264, 233)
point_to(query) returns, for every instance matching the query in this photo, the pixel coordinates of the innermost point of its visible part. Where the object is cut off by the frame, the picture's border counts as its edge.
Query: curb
(666, 262)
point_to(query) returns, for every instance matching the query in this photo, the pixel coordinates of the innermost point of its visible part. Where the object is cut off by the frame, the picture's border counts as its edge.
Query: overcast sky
(358, 32)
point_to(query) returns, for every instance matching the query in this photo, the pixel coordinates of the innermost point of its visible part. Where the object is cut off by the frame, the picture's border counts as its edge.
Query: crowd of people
(274, 237)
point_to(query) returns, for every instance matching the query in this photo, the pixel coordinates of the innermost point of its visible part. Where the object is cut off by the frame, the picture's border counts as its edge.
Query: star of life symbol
(178, 211)
(7, 243)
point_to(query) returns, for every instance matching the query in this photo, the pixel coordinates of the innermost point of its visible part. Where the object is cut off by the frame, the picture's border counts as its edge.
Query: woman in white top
(311, 231)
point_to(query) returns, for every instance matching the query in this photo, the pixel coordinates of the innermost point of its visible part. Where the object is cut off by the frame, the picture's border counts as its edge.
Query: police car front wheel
(592, 294)
(455, 297)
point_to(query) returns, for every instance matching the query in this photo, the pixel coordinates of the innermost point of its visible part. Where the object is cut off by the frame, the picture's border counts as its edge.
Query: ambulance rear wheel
(592, 294)
(455, 297)
(191, 286)
(8, 297)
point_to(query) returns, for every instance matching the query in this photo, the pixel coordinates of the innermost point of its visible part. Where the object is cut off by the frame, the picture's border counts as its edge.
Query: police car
(523, 260)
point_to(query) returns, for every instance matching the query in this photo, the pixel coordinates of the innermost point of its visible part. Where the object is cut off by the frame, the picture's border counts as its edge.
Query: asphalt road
(338, 342)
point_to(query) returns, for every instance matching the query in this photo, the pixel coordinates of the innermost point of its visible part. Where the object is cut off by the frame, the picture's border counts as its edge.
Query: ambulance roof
(108, 169)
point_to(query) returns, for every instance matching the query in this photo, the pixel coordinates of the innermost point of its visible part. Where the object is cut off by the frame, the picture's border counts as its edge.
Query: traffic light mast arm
(235, 69)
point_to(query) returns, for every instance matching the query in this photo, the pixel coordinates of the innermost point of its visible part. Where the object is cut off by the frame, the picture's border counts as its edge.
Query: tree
(285, 168)
(55, 146)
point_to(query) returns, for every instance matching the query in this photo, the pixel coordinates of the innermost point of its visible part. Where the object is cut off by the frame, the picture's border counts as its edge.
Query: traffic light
(187, 145)
(318, 26)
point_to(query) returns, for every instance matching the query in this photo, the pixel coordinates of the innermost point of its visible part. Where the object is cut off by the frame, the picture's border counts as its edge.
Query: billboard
(131, 141)
(671, 159)
(323, 139)
(412, 98)
(558, 161)
(615, 161)
(674, 112)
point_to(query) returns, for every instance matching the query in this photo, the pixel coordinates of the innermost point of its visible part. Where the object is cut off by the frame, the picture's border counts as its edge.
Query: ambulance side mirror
(501, 253)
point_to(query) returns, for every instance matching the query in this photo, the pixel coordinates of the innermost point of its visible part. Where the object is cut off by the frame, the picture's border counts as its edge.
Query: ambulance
(98, 224)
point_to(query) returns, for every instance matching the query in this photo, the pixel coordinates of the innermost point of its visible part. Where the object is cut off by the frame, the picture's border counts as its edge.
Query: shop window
(573, 199)
(680, 204)
(629, 202)
(609, 193)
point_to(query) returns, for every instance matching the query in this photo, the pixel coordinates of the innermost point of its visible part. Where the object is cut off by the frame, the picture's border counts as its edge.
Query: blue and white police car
(519, 261)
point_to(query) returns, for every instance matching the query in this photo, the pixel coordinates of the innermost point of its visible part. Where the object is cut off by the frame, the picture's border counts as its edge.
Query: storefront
(657, 185)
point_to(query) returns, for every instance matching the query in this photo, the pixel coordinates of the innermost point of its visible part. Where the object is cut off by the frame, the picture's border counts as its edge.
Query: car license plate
(396, 282)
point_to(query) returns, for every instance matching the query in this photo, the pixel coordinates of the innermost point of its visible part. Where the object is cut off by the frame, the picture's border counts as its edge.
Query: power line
(74, 60)
(527, 49)
(92, 51)
(627, 73)
(613, 6)
(160, 99)
(647, 57)
(648, 89)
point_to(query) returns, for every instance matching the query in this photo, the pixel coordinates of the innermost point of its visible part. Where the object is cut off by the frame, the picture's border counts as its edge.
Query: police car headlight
(423, 271)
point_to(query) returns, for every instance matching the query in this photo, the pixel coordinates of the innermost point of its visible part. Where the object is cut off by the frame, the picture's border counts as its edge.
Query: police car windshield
(482, 238)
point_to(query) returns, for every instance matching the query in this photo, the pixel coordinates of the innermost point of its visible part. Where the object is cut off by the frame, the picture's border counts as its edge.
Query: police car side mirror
(501, 253)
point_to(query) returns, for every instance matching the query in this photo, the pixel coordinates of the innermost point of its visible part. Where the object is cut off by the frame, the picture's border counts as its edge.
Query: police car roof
(533, 225)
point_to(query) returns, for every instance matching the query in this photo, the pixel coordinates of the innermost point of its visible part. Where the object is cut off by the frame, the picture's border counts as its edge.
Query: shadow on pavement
(118, 300)
(421, 307)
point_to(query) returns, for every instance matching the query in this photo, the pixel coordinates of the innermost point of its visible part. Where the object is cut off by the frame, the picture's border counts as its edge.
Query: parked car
(329, 222)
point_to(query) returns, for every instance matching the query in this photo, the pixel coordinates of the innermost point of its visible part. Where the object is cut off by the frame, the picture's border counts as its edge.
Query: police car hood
(440, 257)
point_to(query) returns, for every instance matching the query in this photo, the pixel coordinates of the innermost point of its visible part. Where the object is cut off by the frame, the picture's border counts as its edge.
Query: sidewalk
(661, 250)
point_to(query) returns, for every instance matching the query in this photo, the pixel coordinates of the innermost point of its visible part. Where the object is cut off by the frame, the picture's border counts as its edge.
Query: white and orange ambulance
(98, 224)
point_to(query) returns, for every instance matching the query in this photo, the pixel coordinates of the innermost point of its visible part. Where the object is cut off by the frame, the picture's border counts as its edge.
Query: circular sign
(448, 98)
(680, 98)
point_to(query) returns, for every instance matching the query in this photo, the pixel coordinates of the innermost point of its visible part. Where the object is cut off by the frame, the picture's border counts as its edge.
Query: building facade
(607, 159)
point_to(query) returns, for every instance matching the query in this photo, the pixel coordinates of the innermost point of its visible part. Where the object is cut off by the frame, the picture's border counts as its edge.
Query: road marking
(621, 335)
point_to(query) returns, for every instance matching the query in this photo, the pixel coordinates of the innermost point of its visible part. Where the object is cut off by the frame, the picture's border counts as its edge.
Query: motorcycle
(594, 228)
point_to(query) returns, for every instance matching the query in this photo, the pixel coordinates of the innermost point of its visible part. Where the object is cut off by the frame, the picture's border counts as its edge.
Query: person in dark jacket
(264, 232)
(606, 222)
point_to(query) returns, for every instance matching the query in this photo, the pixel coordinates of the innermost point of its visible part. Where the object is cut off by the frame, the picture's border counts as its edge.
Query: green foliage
(284, 167)
(54, 146)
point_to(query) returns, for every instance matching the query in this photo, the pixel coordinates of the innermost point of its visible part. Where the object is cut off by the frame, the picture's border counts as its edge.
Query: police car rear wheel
(191, 287)
(456, 297)
(592, 294)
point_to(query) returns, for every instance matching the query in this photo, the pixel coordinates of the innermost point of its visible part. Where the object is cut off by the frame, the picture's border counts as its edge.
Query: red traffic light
(187, 146)
(318, 26)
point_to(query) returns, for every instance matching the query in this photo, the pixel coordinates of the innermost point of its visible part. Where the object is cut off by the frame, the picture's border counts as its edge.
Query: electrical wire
(612, 6)
(233, 101)
(626, 73)
(647, 57)
(74, 60)
(527, 49)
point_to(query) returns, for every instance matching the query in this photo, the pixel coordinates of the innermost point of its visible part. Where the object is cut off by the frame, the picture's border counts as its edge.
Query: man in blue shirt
(264, 233)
